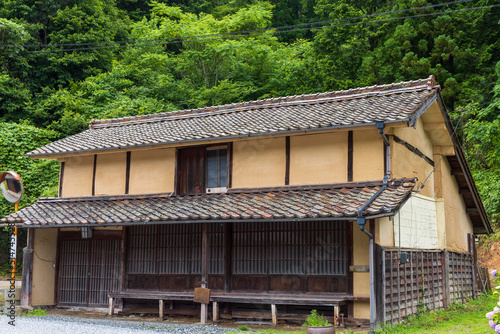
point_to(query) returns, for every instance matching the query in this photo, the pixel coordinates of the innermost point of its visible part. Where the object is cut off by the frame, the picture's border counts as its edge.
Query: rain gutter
(362, 222)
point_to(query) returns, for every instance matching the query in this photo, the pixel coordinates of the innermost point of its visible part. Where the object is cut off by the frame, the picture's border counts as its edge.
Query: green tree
(14, 96)
(199, 65)
(68, 22)
(482, 145)
(40, 177)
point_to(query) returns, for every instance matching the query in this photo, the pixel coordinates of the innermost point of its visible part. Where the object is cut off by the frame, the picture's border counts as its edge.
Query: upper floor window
(201, 168)
(217, 167)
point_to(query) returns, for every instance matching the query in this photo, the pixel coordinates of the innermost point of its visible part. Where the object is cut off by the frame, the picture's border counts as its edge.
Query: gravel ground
(62, 324)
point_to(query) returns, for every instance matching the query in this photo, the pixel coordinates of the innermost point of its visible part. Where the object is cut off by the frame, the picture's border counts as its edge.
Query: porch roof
(330, 202)
(393, 103)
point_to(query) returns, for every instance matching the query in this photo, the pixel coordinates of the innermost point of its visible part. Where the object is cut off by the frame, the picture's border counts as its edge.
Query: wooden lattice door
(88, 271)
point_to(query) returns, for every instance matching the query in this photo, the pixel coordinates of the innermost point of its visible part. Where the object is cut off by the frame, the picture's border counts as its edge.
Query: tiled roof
(337, 201)
(362, 106)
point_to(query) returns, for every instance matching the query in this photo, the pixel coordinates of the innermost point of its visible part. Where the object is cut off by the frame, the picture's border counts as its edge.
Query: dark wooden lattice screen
(88, 271)
(173, 249)
(73, 269)
(295, 248)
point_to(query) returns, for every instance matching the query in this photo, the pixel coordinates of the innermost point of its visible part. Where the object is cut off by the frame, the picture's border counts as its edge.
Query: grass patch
(458, 318)
(266, 331)
(277, 331)
(38, 312)
(467, 318)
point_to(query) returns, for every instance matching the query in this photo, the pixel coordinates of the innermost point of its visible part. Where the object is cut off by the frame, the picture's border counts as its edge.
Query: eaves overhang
(467, 186)
(288, 203)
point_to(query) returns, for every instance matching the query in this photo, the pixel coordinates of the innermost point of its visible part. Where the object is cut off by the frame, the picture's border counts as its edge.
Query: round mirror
(12, 186)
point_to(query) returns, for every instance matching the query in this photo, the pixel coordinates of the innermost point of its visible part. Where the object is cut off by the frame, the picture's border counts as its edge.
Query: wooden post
(380, 282)
(473, 262)
(228, 240)
(204, 269)
(336, 312)
(215, 311)
(446, 279)
(123, 263)
(111, 306)
(27, 280)
(274, 314)
(161, 309)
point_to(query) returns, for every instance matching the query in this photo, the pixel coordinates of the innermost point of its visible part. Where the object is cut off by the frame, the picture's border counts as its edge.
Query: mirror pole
(14, 260)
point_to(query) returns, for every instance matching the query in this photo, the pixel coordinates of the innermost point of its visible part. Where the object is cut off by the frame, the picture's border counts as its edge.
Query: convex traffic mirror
(12, 186)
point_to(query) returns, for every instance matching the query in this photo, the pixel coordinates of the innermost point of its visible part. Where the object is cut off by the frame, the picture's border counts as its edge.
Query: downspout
(362, 222)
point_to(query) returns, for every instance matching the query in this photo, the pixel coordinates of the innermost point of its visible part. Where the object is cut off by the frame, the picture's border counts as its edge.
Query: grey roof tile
(361, 106)
(289, 202)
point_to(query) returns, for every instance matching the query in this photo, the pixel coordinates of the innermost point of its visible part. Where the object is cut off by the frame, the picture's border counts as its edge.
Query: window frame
(181, 176)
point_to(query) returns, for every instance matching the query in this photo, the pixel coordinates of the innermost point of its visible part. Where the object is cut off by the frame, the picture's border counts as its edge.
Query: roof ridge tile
(427, 83)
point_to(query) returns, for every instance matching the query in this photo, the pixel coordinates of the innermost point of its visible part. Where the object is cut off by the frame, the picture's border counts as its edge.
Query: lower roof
(330, 202)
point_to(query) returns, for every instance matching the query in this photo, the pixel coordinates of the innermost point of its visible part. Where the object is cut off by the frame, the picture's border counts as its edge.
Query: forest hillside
(65, 62)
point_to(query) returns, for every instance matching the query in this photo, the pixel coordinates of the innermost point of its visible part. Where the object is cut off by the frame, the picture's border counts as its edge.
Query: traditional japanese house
(284, 204)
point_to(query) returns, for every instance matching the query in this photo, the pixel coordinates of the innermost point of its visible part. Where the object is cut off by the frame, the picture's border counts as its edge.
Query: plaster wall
(44, 273)
(152, 171)
(441, 223)
(316, 159)
(361, 280)
(458, 223)
(110, 174)
(259, 163)
(368, 155)
(405, 163)
(415, 226)
(360, 257)
(361, 310)
(78, 174)
(384, 232)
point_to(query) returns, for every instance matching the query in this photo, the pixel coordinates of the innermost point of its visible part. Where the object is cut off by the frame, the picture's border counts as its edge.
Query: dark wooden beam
(204, 255)
(127, 173)
(93, 175)
(230, 165)
(457, 172)
(471, 210)
(413, 149)
(350, 155)
(176, 172)
(350, 259)
(123, 258)
(56, 280)
(61, 178)
(204, 268)
(228, 248)
(99, 234)
(287, 164)
(463, 190)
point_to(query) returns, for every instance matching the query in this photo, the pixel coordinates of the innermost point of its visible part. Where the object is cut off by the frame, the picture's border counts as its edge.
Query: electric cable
(422, 185)
(239, 34)
(253, 30)
(51, 261)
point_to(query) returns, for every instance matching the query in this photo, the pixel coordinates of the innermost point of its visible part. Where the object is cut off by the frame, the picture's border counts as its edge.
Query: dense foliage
(40, 177)
(65, 62)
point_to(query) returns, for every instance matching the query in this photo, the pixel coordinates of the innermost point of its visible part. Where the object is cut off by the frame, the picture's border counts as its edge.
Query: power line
(253, 30)
(247, 33)
(230, 35)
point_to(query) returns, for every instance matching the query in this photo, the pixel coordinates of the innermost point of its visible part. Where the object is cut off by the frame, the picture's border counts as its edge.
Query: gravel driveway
(62, 324)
